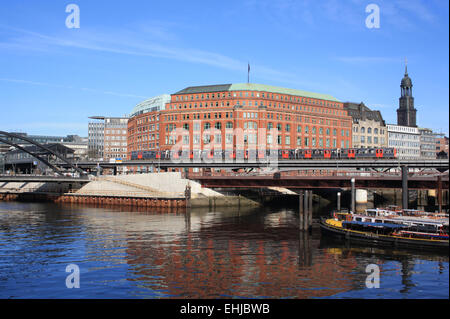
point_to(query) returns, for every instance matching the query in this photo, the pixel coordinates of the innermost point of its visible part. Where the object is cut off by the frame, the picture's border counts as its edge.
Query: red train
(343, 153)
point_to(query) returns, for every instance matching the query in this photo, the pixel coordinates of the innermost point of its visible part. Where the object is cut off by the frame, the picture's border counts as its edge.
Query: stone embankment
(141, 190)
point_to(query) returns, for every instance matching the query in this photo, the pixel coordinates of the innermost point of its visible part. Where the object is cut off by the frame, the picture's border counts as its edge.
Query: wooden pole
(305, 210)
(439, 193)
(300, 210)
(339, 201)
(310, 206)
(405, 195)
(353, 195)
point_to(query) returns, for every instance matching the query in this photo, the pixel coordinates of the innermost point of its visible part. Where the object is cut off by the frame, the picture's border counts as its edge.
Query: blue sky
(53, 78)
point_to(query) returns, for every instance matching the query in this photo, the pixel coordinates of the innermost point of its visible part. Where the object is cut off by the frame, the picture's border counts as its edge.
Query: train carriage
(283, 154)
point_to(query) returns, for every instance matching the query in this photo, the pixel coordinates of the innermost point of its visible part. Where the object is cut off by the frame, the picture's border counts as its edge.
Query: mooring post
(439, 193)
(187, 195)
(339, 201)
(305, 210)
(353, 195)
(405, 195)
(300, 210)
(310, 208)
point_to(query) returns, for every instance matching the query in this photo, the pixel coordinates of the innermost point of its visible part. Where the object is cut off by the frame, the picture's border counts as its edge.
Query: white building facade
(427, 143)
(405, 139)
(96, 131)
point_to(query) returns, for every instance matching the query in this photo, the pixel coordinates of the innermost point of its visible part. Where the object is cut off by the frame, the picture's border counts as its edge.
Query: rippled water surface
(223, 254)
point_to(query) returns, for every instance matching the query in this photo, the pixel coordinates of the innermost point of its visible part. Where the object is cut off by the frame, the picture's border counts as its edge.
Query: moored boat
(389, 229)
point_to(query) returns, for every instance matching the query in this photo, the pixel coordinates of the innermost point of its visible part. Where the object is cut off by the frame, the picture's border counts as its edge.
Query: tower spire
(406, 66)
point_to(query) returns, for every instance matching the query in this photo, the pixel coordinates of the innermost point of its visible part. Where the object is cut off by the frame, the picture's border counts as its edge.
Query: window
(363, 130)
(299, 129)
(206, 126)
(288, 127)
(369, 130)
(196, 126)
(229, 125)
(287, 140)
(218, 126)
(279, 127)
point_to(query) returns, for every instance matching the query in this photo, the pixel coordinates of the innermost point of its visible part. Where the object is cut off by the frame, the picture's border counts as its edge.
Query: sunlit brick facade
(242, 116)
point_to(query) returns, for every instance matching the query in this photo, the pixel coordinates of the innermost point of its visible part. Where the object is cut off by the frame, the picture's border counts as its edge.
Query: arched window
(363, 129)
(369, 130)
(218, 126)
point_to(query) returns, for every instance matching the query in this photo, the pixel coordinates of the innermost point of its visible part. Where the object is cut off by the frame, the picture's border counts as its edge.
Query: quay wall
(141, 190)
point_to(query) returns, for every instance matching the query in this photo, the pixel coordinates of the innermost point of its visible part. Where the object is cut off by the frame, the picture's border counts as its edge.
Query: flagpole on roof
(248, 73)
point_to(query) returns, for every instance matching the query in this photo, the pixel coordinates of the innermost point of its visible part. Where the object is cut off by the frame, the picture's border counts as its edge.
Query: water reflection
(129, 253)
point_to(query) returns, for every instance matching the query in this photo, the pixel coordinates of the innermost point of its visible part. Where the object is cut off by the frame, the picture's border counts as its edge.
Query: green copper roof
(280, 90)
(254, 87)
(205, 89)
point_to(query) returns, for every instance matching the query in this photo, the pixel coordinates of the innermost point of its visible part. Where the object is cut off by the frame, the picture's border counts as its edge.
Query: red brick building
(441, 144)
(241, 116)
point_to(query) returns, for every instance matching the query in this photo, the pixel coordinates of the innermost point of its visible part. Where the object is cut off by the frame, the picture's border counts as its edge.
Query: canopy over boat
(381, 225)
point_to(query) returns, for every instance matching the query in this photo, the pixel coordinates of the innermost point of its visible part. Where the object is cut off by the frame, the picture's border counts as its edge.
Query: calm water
(223, 254)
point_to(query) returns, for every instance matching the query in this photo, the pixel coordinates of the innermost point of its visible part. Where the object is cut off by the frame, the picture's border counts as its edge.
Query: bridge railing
(308, 173)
